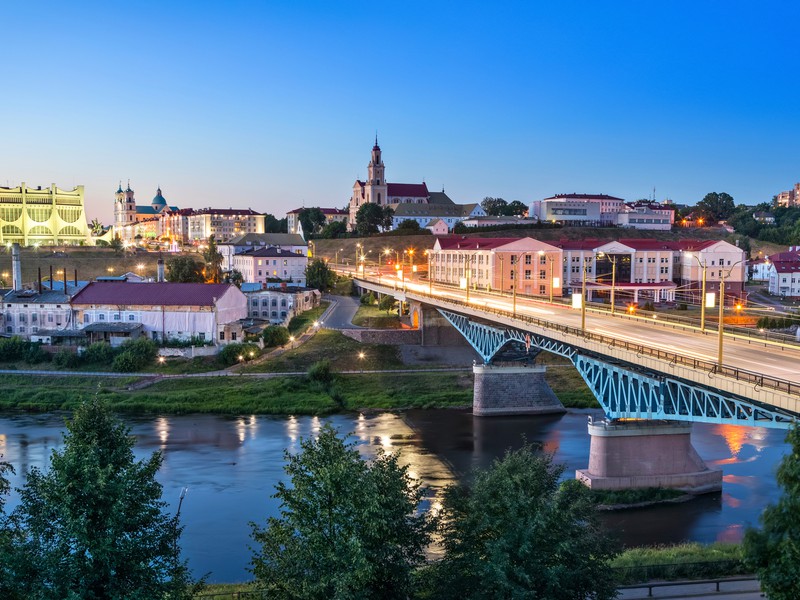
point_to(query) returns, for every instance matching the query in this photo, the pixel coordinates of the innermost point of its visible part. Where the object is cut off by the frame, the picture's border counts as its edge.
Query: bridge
(652, 377)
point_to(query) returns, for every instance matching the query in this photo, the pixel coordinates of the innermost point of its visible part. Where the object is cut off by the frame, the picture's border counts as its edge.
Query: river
(231, 465)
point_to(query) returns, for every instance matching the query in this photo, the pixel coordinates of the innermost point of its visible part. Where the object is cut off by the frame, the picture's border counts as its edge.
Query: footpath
(735, 588)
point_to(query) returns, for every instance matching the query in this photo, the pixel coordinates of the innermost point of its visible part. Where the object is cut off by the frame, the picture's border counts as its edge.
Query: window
(22, 319)
(101, 317)
(542, 290)
(9, 329)
(527, 273)
(50, 318)
(542, 274)
(255, 303)
(274, 313)
(222, 335)
(34, 317)
(202, 336)
(528, 259)
(117, 317)
(131, 317)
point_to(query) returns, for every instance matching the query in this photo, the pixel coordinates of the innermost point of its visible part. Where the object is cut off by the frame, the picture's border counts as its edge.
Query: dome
(158, 200)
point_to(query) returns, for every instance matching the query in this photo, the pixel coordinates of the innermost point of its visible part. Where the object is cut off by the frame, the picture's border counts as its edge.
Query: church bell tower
(376, 180)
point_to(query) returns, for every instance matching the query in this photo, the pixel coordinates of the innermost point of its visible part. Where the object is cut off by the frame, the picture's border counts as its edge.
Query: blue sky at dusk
(274, 105)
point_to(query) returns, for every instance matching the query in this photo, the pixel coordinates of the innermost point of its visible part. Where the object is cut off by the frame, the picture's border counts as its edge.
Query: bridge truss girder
(625, 390)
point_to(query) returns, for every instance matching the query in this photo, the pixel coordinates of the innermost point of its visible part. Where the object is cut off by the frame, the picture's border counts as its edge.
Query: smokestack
(16, 267)
(51, 277)
(65, 280)
(160, 275)
(75, 281)
(40, 280)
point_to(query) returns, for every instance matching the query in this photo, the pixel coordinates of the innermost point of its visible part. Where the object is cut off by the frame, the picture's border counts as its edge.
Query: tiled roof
(271, 251)
(152, 294)
(34, 297)
(784, 256)
(227, 211)
(411, 209)
(266, 239)
(413, 190)
(325, 211)
(583, 197)
(439, 198)
(458, 242)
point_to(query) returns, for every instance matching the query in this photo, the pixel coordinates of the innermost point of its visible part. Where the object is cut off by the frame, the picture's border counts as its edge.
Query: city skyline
(272, 106)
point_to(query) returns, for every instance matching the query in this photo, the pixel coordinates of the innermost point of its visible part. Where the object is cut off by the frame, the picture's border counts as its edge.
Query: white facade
(646, 218)
(223, 223)
(278, 306)
(258, 266)
(26, 312)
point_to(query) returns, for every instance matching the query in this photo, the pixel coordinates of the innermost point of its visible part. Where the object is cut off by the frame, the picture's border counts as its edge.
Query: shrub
(387, 303)
(127, 362)
(275, 335)
(369, 298)
(66, 359)
(100, 353)
(230, 354)
(13, 348)
(321, 372)
(143, 349)
(35, 354)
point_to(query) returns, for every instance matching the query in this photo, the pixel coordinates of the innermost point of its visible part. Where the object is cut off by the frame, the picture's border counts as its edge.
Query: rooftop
(151, 294)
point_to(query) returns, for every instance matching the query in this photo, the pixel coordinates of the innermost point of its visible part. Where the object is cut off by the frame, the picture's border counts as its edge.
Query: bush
(230, 354)
(369, 298)
(320, 372)
(99, 353)
(275, 335)
(35, 355)
(143, 349)
(66, 359)
(387, 303)
(13, 348)
(126, 362)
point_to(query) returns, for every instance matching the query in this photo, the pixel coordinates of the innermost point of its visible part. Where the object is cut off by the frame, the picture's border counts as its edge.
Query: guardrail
(759, 380)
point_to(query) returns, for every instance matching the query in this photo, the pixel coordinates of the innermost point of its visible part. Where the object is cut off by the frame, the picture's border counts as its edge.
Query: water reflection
(231, 466)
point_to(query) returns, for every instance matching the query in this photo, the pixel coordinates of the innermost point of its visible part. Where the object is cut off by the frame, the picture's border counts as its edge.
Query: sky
(275, 105)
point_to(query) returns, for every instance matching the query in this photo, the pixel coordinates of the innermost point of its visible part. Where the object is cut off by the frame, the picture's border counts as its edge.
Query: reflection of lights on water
(241, 429)
(2, 439)
(361, 427)
(736, 436)
(162, 426)
(386, 442)
(732, 533)
(315, 425)
(291, 428)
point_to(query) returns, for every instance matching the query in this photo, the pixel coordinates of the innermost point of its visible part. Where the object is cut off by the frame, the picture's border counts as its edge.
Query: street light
(291, 341)
(613, 260)
(702, 294)
(721, 327)
(515, 277)
(583, 299)
(428, 253)
(337, 256)
(361, 360)
(358, 251)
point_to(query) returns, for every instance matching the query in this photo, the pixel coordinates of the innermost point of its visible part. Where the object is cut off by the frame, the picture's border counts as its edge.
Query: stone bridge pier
(646, 454)
(512, 390)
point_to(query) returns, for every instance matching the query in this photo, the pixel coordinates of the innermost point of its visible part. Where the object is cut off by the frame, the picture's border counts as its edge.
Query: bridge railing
(757, 379)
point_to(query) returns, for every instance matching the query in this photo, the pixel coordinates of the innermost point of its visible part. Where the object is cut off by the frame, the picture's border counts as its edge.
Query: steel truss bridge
(630, 380)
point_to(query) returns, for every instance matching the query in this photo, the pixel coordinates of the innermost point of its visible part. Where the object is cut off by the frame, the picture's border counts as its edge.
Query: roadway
(773, 359)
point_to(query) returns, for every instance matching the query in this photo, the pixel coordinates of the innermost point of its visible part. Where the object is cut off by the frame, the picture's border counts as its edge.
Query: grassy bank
(682, 561)
(242, 395)
(375, 318)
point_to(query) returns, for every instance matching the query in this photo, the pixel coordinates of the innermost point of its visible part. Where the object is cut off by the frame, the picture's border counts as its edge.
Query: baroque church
(408, 200)
(131, 219)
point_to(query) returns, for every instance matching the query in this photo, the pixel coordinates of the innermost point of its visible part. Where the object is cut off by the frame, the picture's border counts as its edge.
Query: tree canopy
(312, 220)
(371, 217)
(273, 225)
(716, 207)
(319, 275)
(347, 528)
(94, 525)
(333, 230)
(516, 533)
(213, 260)
(184, 269)
(773, 551)
(494, 207)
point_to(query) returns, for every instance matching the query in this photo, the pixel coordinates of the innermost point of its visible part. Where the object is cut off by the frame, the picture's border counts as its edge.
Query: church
(376, 189)
(131, 219)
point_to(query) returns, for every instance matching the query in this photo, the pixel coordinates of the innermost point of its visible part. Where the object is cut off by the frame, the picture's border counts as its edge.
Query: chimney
(40, 280)
(16, 267)
(65, 280)
(160, 275)
(75, 281)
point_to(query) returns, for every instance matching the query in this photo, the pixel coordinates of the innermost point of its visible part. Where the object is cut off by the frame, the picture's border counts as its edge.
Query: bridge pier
(501, 390)
(646, 454)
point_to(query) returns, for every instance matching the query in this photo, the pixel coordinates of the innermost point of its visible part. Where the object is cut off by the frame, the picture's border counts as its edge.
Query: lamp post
(515, 277)
(430, 274)
(721, 327)
(613, 261)
(552, 281)
(468, 273)
(337, 256)
(358, 251)
(502, 272)
(702, 294)
(583, 300)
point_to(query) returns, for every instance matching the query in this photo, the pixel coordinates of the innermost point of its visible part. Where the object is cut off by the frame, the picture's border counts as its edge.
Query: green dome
(158, 200)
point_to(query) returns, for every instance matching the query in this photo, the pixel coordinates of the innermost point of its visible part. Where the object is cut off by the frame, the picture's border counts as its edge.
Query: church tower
(376, 180)
(124, 209)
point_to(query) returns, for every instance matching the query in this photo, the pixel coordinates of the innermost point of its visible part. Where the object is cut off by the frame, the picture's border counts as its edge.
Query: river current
(230, 467)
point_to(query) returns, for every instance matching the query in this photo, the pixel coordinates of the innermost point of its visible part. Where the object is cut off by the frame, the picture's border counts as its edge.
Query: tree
(213, 260)
(275, 335)
(516, 533)
(369, 218)
(116, 244)
(410, 226)
(312, 220)
(773, 551)
(184, 269)
(94, 526)
(235, 277)
(7, 539)
(387, 303)
(274, 225)
(347, 528)
(333, 230)
(716, 207)
(515, 209)
(494, 207)
(97, 227)
(319, 275)
(388, 218)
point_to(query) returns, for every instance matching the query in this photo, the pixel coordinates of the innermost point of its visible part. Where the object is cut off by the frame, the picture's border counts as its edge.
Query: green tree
(275, 335)
(184, 269)
(410, 226)
(116, 244)
(213, 260)
(716, 207)
(515, 209)
(516, 533)
(312, 220)
(387, 303)
(773, 551)
(97, 227)
(235, 277)
(273, 225)
(7, 539)
(387, 220)
(334, 230)
(319, 275)
(369, 218)
(94, 526)
(494, 207)
(347, 529)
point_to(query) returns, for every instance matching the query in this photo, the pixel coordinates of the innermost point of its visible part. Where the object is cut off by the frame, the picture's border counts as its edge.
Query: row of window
(265, 313)
(268, 302)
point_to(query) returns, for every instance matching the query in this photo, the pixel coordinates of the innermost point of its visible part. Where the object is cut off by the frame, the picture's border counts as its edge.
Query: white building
(223, 223)
(332, 215)
(289, 242)
(784, 274)
(26, 312)
(645, 217)
(279, 305)
(440, 208)
(263, 264)
(164, 310)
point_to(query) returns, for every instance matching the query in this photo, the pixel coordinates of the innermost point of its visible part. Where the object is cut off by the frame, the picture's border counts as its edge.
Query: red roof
(413, 190)
(457, 242)
(325, 211)
(785, 256)
(583, 197)
(156, 294)
(226, 211)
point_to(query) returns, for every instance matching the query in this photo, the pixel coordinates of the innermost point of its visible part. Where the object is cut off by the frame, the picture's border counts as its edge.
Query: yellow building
(49, 216)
